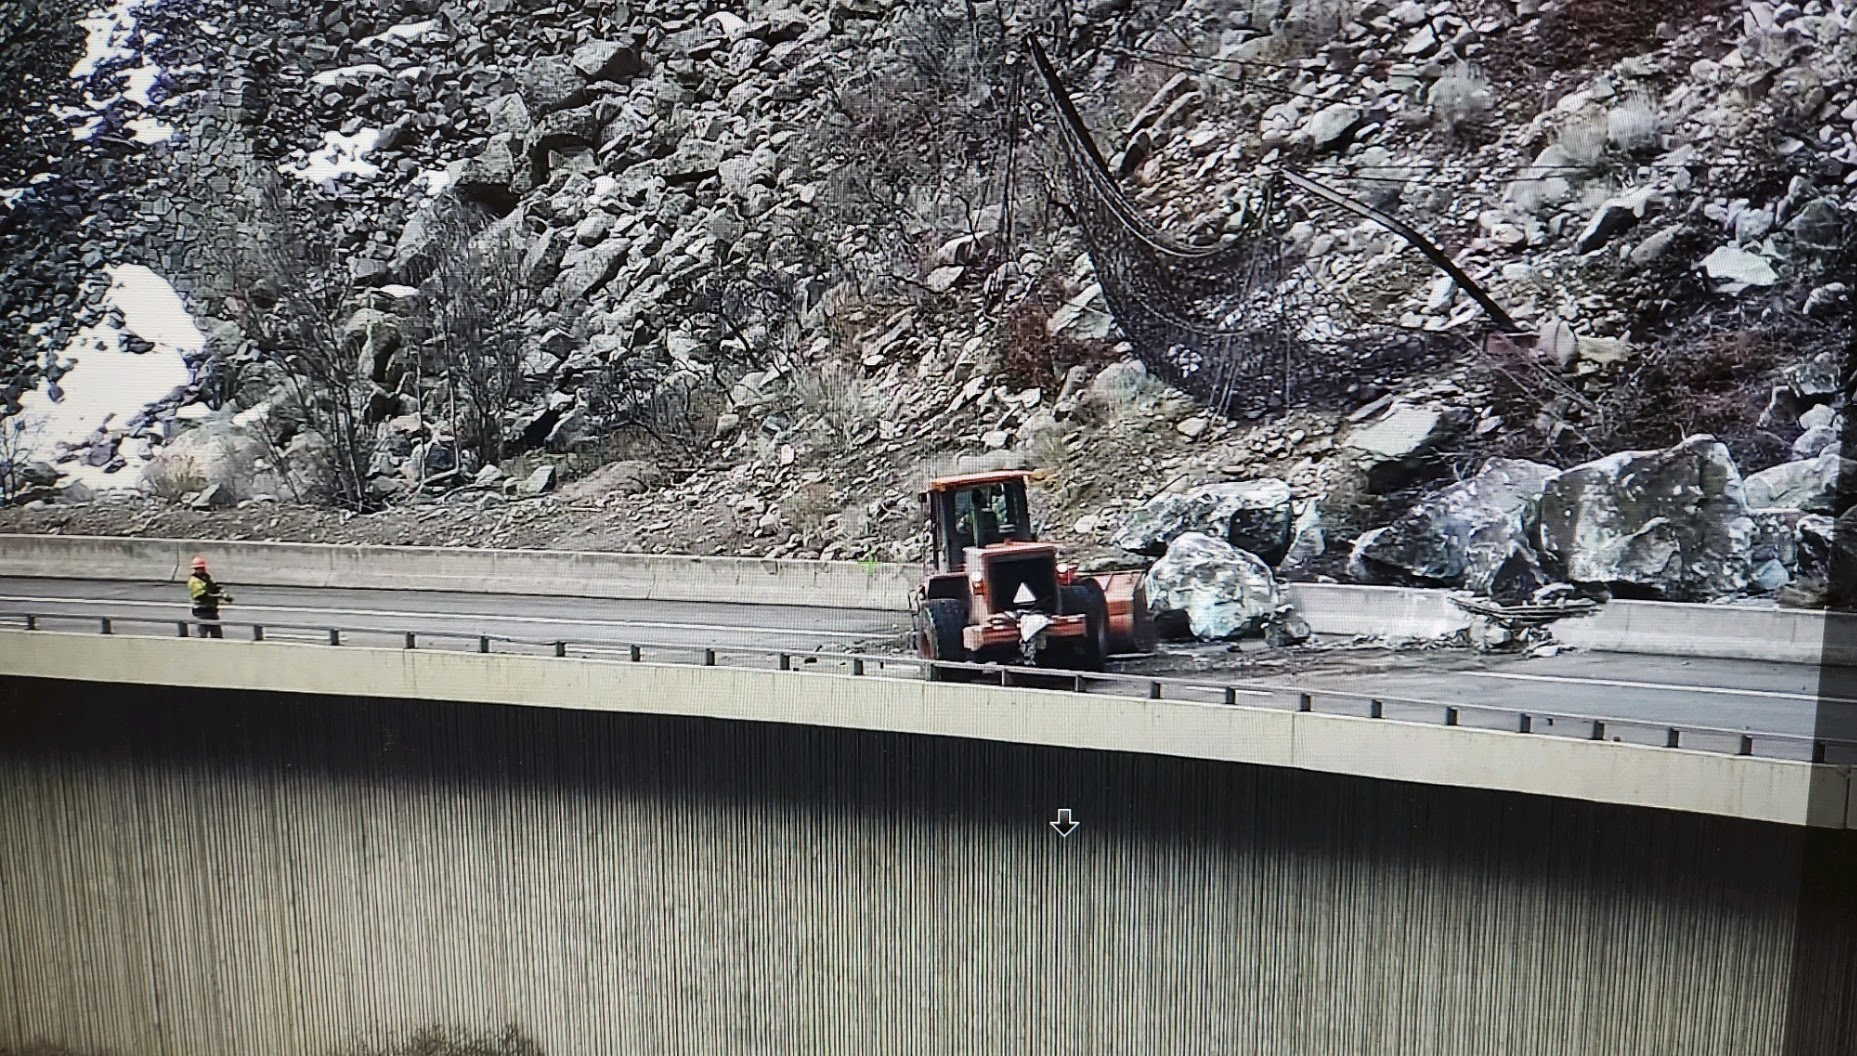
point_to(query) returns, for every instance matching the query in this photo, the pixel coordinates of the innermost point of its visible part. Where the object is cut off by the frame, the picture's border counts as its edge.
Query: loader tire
(939, 622)
(1087, 598)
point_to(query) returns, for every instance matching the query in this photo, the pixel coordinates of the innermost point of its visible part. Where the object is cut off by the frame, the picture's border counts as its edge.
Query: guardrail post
(1747, 745)
(1230, 697)
(1527, 725)
(635, 654)
(1005, 677)
(1818, 751)
(411, 641)
(483, 643)
(335, 636)
(1376, 710)
(1078, 685)
(103, 625)
(1599, 730)
(560, 648)
(1305, 702)
(1154, 691)
(1673, 738)
(709, 658)
(857, 665)
(1450, 716)
(180, 628)
(32, 622)
(257, 632)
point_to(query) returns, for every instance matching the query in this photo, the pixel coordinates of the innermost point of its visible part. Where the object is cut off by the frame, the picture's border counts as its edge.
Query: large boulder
(1818, 541)
(1308, 541)
(1669, 524)
(584, 272)
(374, 336)
(607, 60)
(1210, 589)
(496, 177)
(1253, 515)
(562, 130)
(549, 83)
(1394, 446)
(1475, 535)
(217, 452)
(1812, 485)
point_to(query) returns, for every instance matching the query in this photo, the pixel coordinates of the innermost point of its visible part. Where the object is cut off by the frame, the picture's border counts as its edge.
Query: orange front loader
(994, 594)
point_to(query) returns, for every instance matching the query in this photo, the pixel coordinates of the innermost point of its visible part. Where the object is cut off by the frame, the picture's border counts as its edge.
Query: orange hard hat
(199, 564)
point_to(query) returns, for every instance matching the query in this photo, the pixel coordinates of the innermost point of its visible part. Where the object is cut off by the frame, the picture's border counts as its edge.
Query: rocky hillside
(739, 278)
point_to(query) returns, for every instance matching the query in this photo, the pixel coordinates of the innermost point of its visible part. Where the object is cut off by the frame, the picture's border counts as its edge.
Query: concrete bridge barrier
(573, 573)
(1738, 632)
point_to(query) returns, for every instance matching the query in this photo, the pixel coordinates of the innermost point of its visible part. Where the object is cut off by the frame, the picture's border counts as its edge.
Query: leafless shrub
(914, 150)
(1694, 380)
(173, 477)
(18, 438)
(1030, 355)
(847, 406)
(1461, 99)
(808, 510)
(454, 1041)
(271, 254)
(1298, 28)
(1635, 124)
(471, 326)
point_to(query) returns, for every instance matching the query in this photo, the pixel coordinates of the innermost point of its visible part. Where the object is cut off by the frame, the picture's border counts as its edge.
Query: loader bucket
(1131, 627)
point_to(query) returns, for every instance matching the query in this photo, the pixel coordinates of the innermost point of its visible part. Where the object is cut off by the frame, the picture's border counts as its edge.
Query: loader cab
(976, 511)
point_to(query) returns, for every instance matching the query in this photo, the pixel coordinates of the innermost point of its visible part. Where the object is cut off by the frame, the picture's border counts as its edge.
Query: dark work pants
(208, 629)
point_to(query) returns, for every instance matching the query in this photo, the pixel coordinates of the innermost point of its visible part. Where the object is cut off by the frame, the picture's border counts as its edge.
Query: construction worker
(206, 595)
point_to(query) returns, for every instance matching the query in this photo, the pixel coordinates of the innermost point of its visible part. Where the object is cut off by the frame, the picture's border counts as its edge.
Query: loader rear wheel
(939, 622)
(1087, 598)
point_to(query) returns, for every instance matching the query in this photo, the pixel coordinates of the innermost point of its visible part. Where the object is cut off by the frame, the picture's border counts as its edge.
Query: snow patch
(10, 196)
(411, 32)
(345, 73)
(113, 38)
(434, 181)
(731, 25)
(152, 310)
(106, 38)
(340, 156)
(149, 130)
(141, 80)
(106, 384)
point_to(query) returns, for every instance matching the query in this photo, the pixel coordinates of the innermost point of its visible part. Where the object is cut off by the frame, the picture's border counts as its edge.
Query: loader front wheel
(939, 622)
(1086, 598)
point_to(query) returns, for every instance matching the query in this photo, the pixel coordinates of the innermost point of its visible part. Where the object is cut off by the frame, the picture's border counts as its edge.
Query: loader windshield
(984, 515)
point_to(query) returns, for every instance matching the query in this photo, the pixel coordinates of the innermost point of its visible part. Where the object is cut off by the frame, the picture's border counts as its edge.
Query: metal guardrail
(1260, 695)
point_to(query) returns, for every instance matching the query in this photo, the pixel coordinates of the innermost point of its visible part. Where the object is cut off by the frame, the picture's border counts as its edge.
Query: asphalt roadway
(1639, 695)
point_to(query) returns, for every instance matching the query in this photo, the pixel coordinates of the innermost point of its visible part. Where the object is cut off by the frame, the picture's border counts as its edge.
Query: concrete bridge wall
(230, 872)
